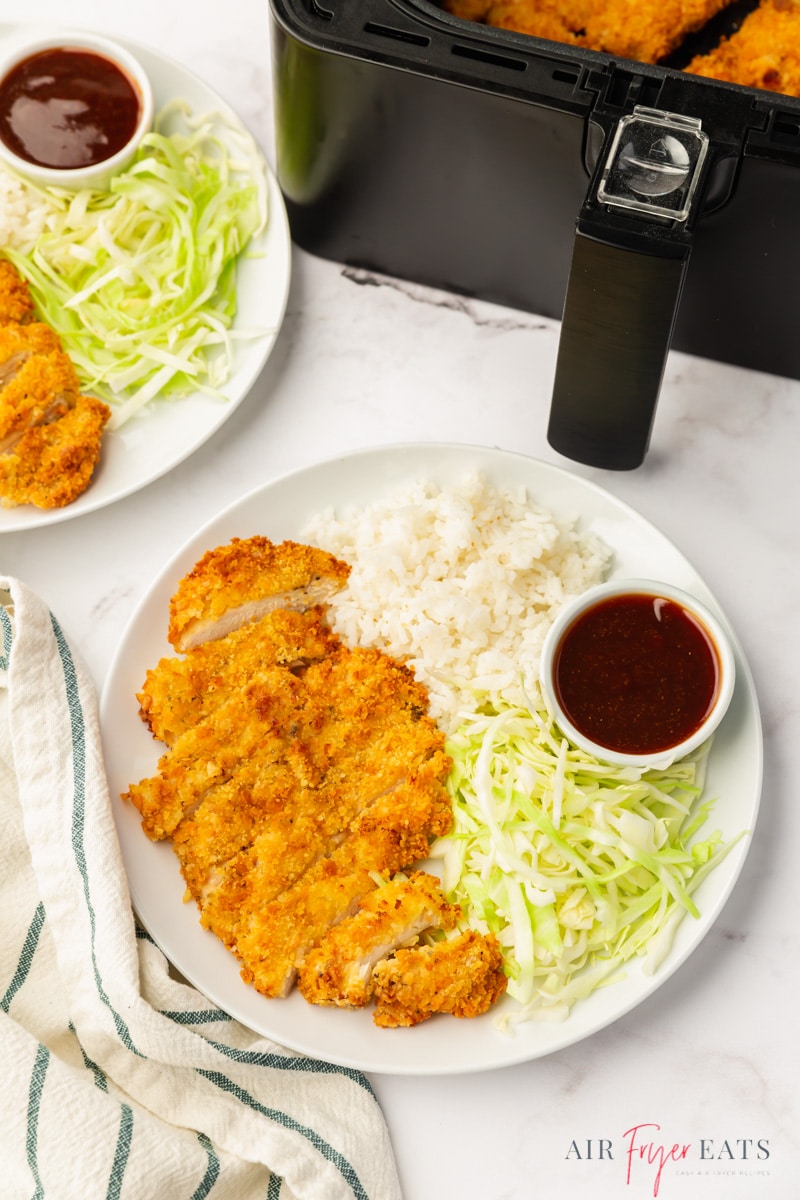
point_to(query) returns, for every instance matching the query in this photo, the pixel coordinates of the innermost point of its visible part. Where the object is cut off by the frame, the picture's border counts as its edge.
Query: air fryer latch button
(654, 164)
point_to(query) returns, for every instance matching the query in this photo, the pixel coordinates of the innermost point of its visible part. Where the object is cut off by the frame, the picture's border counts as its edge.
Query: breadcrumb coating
(645, 32)
(280, 813)
(462, 976)
(239, 582)
(339, 968)
(544, 19)
(16, 304)
(273, 939)
(180, 692)
(52, 464)
(249, 722)
(763, 53)
(39, 388)
(19, 340)
(50, 435)
(625, 28)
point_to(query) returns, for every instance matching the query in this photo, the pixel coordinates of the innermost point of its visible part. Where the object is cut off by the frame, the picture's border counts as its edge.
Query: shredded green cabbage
(140, 281)
(576, 866)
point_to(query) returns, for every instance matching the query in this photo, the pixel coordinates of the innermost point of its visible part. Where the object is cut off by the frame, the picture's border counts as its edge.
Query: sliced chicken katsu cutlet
(300, 774)
(50, 434)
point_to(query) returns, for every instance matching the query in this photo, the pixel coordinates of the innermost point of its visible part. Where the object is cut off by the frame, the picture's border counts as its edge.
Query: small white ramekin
(573, 609)
(96, 175)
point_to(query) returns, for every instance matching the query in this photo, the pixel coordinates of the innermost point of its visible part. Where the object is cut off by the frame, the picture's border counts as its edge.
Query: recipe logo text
(644, 1150)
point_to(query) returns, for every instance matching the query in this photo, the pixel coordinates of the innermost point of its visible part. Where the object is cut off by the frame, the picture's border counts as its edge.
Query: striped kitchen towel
(119, 1080)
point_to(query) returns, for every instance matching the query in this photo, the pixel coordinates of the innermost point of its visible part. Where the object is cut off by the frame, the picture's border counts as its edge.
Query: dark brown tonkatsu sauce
(636, 673)
(67, 107)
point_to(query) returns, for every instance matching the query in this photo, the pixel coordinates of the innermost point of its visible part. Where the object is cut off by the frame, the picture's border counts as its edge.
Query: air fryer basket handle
(616, 331)
(631, 251)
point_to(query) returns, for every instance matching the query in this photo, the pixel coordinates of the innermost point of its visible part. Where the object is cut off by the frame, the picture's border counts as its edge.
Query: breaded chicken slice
(540, 18)
(16, 304)
(763, 53)
(237, 583)
(212, 838)
(339, 968)
(645, 32)
(462, 976)
(180, 692)
(38, 383)
(271, 779)
(256, 720)
(273, 939)
(329, 773)
(19, 341)
(52, 464)
(50, 435)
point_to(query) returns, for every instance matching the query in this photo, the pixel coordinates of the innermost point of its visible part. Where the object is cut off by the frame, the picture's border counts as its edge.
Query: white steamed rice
(461, 581)
(23, 213)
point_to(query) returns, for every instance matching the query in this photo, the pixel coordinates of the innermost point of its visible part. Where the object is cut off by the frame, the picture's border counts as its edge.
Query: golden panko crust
(644, 32)
(16, 304)
(763, 53)
(52, 464)
(463, 976)
(50, 435)
(249, 572)
(338, 970)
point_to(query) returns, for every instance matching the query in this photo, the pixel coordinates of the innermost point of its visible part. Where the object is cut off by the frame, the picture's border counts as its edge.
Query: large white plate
(442, 1045)
(158, 439)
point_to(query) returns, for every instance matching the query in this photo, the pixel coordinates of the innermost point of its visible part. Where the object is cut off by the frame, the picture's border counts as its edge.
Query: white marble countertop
(710, 1060)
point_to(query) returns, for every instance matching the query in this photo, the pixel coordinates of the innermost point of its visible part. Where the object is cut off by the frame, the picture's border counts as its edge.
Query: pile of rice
(23, 213)
(463, 582)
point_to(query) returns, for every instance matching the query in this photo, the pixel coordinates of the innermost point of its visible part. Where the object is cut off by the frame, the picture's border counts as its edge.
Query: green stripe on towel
(34, 1104)
(324, 1148)
(79, 816)
(8, 637)
(212, 1171)
(285, 1063)
(124, 1138)
(25, 958)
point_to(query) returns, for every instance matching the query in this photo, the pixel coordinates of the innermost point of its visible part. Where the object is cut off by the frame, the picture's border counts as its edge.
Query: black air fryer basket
(644, 206)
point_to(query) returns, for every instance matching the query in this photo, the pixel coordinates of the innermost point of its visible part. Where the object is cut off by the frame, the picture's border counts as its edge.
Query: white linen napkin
(118, 1080)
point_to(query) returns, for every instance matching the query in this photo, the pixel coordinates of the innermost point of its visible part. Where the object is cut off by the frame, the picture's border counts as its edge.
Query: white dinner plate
(159, 438)
(441, 1045)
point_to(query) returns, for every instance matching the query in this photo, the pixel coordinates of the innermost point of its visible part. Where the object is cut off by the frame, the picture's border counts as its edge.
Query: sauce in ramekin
(67, 107)
(637, 673)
